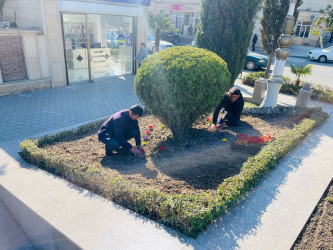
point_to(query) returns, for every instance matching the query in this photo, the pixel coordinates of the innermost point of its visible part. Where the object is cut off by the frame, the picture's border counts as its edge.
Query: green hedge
(180, 84)
(320, 93)
(190, 214)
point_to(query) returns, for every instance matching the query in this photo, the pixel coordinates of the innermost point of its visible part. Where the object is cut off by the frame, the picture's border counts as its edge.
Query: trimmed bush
(179, 84)
(320, 93)
(190, 214)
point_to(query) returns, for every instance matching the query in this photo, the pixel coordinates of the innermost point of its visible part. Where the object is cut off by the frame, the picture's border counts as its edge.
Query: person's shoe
(108, 152)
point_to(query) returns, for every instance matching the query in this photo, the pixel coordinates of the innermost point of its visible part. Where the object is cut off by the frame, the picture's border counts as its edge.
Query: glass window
(186, 19)
(302, 29)
(110, 45)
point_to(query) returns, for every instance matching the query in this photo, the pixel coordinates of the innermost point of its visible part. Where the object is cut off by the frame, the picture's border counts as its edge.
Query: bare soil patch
(197, 163)
(318, 231)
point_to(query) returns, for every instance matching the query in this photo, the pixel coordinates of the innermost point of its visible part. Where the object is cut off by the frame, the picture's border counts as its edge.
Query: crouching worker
(121, 127)
(231, 105)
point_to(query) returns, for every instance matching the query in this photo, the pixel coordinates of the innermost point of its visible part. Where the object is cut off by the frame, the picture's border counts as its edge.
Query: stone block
(260, 87)
(304, 95)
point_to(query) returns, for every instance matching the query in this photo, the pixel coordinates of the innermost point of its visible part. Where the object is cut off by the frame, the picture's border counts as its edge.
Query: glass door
(75, 35)
(111, 46)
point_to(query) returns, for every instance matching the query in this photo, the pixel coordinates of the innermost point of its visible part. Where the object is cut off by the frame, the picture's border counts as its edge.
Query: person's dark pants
(114, 144)
(229, 119)
(253, 46)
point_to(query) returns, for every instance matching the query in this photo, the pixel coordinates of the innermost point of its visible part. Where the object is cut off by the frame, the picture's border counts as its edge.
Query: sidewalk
(56, 214)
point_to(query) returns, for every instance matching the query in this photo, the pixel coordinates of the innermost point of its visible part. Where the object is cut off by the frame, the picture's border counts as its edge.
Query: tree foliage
(158, 23)
(326, 21)
(2, 3)
(225, 27)
(300, 70)
(274, 14)
(181, 83)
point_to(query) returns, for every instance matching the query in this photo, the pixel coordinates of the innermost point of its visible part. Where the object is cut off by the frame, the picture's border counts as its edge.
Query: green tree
(2, 3)
(326, 21)
(274, 13)
(300, 70)
(158, 23)
(181, 83)
(225, 27)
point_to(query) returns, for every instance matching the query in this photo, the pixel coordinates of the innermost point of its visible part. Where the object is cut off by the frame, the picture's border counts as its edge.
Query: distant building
(47, 43)
(184, 14)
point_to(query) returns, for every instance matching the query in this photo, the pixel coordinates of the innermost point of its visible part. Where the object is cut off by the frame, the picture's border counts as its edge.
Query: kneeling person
(231, 105)
(121, 127)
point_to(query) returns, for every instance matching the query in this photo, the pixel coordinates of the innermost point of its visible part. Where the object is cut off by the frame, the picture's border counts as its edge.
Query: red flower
(160, 147)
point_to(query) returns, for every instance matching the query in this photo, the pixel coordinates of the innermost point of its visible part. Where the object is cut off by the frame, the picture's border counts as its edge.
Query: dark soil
(197, 163)
(318, 232)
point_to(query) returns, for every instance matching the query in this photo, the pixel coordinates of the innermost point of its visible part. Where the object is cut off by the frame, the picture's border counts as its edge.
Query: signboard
(121, 39)
(136, 2)
(316, 33)
(177, 7)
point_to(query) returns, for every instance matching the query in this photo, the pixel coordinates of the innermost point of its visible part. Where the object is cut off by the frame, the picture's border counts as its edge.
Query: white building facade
(52, 43)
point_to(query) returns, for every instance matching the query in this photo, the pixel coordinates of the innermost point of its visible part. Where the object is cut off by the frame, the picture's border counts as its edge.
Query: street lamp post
(275, 82)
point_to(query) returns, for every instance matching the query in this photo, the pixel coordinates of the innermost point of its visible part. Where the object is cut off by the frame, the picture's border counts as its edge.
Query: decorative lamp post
(275, 82)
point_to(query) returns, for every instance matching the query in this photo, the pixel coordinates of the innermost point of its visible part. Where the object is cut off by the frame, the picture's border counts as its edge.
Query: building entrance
(97, 46)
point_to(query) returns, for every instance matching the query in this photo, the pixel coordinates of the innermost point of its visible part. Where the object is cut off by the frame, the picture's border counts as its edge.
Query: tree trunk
(297, 80)
(157, 40)
(268, 68)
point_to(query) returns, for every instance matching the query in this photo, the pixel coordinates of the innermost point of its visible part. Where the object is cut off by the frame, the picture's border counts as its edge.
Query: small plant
(330, 199)
(247, 140)
(300, 70)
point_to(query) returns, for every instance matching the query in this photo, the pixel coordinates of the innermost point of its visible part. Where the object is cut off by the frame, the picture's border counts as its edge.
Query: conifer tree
(274, 13)
(225, 27)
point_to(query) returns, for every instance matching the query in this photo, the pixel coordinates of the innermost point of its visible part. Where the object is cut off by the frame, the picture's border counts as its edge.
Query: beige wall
(25, 13)
(54, 41)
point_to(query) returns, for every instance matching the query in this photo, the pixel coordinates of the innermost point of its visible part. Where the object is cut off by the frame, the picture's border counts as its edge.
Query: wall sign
(121, 39)
(136, 2)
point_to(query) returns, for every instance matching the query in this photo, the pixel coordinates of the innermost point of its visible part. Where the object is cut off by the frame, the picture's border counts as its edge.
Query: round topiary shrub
(181, 83)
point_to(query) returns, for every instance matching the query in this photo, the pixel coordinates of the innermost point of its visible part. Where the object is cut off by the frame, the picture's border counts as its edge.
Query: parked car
(252, 60)
(322, 55)
(169, 37)
(151, 44)
(255, 60)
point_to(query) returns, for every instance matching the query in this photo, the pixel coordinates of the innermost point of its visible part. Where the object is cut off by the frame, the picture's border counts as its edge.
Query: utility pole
(274, 84)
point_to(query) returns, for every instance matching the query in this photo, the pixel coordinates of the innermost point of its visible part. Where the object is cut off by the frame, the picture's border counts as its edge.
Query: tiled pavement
(32, 113)
(269, 218)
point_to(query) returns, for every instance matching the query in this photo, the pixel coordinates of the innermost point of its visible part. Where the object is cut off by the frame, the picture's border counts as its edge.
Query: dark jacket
(117, 126)
(234, 110)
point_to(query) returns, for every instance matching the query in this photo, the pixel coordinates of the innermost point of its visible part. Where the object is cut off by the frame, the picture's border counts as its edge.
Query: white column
(43, 56)
(275, 82)
(29, 40)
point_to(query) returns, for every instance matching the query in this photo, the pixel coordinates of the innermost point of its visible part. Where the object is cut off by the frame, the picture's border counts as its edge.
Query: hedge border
(189, 214)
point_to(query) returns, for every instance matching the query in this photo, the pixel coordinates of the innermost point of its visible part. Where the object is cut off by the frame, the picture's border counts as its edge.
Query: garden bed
(186, 183)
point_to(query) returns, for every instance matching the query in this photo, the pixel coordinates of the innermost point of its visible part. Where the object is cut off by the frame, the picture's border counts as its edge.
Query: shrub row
(190, 214)
(320, 93)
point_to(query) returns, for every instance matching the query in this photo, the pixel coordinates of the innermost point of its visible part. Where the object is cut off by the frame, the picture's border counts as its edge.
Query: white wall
(26, 13)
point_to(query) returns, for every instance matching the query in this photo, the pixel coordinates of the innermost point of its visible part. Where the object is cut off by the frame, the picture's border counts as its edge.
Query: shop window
(302, 29)
(186, 19)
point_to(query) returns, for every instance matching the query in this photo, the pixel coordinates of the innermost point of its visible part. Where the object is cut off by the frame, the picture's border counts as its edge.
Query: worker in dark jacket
(121, 127)
(232, 106)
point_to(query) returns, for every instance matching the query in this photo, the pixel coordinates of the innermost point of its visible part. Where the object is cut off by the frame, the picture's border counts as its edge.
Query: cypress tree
(274, 13)
(225, 27)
